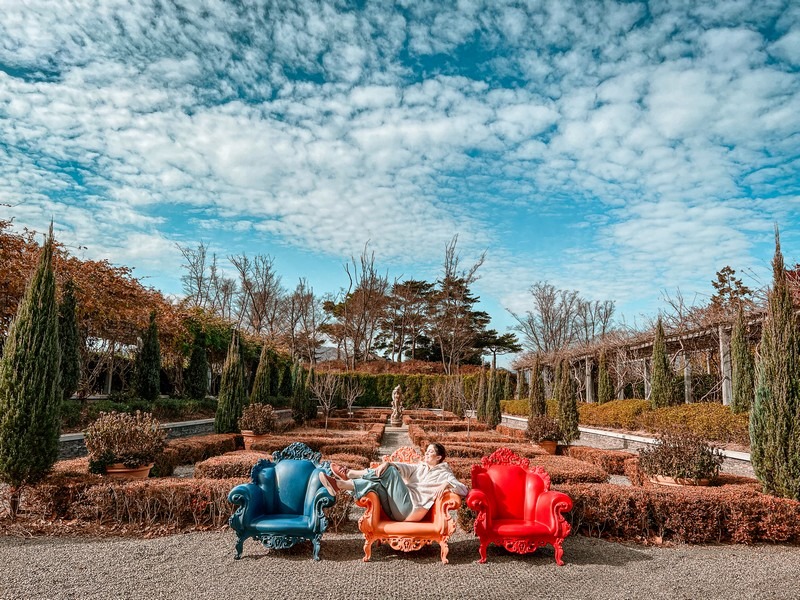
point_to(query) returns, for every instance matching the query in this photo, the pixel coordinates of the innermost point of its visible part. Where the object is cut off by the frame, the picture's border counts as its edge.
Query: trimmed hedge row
(611, 461)
(730, 513)
(709, 420)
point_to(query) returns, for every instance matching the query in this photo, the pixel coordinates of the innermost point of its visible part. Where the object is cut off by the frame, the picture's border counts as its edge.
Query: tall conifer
(742, 368)
(661, 380)
(605, 386)
(261, 385)
(495, 392)
(232, 394)
(30, 395)
(538, 405)
(775, 415)
(197, 371)
(148, 363)
(69, 341)
(567, 405)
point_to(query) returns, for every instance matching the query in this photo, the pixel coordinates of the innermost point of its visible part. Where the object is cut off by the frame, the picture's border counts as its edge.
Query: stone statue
(396, 420)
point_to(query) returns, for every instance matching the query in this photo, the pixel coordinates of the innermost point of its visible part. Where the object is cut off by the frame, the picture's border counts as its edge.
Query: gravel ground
(201, 565)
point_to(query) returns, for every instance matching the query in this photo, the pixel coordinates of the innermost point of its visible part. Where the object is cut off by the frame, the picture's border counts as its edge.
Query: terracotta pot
(548, 446)
(250, 438)
(120, 471)
(678, 481)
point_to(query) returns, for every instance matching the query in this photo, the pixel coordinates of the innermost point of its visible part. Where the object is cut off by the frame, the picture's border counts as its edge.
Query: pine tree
(775, 415)
(742, 369)
(538, 405)
(69, 341)
(661, 381)
(232, 394)
(493, 414)
(197, 371)
(605, 386)
(261, 384)
(30, 395)
(567, 405)
(148, 363)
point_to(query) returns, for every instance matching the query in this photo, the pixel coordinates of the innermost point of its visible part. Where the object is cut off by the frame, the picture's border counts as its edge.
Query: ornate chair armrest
(480, 502)
(550, 507)
(322, 499)
(250, 500)
(441, 510)
(372, 514)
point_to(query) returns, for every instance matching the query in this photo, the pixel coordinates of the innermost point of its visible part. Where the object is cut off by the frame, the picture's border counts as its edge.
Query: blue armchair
(283, 503)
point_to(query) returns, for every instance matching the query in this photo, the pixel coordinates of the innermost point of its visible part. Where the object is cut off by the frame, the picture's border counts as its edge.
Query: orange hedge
(729, 513)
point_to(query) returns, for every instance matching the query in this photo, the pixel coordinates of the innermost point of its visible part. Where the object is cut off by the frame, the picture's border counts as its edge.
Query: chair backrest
(290, 480)
(511, 483)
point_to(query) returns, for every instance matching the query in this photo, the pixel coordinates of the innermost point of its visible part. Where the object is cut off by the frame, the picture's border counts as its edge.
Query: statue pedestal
(395, 422)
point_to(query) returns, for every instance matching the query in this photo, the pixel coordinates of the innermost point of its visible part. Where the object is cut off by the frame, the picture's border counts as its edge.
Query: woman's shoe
(339, 471)
(329, 483)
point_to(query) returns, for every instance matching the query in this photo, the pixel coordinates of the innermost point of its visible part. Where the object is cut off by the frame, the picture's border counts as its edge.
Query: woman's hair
(440, 451)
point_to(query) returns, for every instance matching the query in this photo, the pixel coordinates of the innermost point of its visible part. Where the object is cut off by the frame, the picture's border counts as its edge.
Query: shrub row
(187, 451)
(561, 469)
(239, 463)
(611, 461)
(730, 513)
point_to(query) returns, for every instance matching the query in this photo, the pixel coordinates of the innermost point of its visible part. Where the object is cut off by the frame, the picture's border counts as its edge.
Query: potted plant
(680, 458)
(257, 421)
(545, 432)
(123, 445)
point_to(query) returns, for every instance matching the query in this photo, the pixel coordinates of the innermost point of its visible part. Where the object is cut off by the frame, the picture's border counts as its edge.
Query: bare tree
(352, 391)
(204, 284)
(593, 319)
(361, 309)
(260, 294)
(551, 325)
(325, 387)
(304, 319)
(454, 325)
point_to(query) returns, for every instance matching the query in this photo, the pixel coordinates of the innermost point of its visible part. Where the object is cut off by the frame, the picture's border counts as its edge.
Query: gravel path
(201, 565)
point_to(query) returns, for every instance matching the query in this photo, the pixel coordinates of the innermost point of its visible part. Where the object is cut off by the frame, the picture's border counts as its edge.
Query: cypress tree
(30, 398)
(775, 415)
(661, 381)
(493, 415)
(261, 384)
(507, 395)
(480, 410)
(605, 387)
(69, 341)
(536, 398)
(310, 402)
(299, 400)
(197, 371)
(285, 380)
(567, 405)
(742, 369)
(232, 394)
(148, 363)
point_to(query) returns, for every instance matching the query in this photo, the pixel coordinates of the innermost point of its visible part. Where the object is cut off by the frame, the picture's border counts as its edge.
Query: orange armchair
(516, 507)
(437, 526)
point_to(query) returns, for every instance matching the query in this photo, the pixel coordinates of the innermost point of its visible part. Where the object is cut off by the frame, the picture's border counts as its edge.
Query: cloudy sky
(622, 149)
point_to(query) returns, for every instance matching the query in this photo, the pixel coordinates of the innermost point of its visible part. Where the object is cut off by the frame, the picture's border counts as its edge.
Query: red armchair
(437, 526)
(516, 507)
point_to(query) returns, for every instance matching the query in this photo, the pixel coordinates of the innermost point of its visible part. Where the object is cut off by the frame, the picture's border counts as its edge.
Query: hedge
(729, 513)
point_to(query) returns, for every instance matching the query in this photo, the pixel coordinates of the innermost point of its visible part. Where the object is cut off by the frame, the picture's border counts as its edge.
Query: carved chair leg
(315, 543)
(445, 549)
(367, 550)
(239, 547)
(482, 551)
(559, 552)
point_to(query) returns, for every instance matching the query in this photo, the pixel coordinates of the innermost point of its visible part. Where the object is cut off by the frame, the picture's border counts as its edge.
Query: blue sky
(622, 149)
